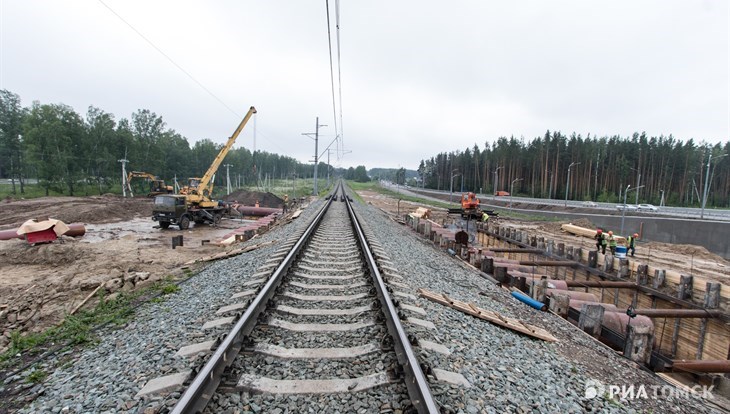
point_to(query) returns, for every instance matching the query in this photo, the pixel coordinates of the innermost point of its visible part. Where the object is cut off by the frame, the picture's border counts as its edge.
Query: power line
(169, 58)
(339, 72)
(332, 75)
(178, 66)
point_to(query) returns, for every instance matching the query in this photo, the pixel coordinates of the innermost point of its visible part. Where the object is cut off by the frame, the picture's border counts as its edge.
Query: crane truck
(194, 202)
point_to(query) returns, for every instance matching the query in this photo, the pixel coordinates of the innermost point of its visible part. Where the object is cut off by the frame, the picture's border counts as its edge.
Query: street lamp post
(567, 182)
(707, 183)
(550, 187)
(638, 181)
(661, 201)
(451, 187)
(511, 190)
(496, 175)
(623, 211)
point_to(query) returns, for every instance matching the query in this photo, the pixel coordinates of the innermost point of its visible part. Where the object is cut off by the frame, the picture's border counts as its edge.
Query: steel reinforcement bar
(418, 389)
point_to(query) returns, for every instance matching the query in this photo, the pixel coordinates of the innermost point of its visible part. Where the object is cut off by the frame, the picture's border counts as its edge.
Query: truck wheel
(184, 223)
(164, 224)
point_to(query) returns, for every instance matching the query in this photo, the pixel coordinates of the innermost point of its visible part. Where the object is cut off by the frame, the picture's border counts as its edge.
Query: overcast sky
(418, 77)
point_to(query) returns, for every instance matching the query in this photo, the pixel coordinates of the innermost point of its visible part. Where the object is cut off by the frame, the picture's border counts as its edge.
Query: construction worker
(600, 241)
(485, 217)
(631, 242)
(611, 242)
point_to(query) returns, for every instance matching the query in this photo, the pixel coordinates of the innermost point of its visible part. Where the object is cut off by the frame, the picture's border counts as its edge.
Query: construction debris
(491, 316)
(589, 233)
(236, 252)
(421, 212)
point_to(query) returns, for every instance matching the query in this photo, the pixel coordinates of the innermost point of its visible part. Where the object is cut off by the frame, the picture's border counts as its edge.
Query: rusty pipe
(721, 365)
(679, 313)
(601, 284)
(257, 211)
(74, 230)
(515, 250)
(548, 263)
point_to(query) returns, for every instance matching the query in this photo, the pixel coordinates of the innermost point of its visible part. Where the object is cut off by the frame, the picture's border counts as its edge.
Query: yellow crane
(194, 201)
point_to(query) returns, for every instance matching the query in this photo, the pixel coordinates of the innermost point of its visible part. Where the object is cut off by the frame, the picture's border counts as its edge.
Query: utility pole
(315, 190)
(707, 184)
(328, 167)
(228, 178)
(496, 176)
(567, 182)
(124, 162)
(638, 179)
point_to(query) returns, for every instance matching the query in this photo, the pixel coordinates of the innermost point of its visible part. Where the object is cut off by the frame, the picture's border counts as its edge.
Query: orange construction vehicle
(470, 206)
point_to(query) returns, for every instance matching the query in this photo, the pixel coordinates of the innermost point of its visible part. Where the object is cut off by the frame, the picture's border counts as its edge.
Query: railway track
(323, 326)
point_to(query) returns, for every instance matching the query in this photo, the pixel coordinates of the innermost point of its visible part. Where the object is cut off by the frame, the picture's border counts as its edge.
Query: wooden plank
(491, 316)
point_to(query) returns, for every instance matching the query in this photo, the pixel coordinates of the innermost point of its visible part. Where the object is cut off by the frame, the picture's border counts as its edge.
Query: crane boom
(204, 189)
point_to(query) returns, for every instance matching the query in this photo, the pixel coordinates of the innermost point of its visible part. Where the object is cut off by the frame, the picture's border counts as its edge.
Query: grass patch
(36, 376)
(374, 186)
(78, 329)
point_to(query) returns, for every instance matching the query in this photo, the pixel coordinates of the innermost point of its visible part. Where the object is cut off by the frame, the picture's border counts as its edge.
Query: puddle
(143, 229)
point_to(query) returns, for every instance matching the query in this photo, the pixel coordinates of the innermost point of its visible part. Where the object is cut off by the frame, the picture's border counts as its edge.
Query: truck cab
(171, 209)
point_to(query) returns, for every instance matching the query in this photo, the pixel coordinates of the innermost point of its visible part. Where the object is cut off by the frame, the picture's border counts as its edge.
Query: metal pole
(124, 176)
(707, 184)
(511, 190)
(623, 211)
(228, 178)
(567, 182)
(638, 179)
(451, 188)
(316, 151)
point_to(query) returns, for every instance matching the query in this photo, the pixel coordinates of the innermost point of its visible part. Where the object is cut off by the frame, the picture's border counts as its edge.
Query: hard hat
(610, 233)
(599, 231)
(636, 234)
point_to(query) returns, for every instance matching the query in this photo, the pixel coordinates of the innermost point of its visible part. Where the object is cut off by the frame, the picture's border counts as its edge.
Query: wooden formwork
(676, 338)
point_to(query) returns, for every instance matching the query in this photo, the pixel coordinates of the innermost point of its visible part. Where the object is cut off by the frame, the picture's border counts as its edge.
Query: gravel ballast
(106, 377)
(507, 371)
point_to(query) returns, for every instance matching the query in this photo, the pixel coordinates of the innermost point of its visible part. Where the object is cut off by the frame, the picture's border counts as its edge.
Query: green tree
(11, 145)
(54, 135)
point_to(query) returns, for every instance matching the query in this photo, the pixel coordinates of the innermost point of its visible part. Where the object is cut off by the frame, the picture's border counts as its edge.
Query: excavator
(194, 202)
(470, 207)
(157, 186)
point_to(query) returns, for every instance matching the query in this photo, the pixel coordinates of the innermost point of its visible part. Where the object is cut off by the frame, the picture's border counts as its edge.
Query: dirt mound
(249, 198)
(96, 209)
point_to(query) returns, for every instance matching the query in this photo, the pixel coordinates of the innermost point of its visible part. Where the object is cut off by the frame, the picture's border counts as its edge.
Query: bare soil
(121, 250)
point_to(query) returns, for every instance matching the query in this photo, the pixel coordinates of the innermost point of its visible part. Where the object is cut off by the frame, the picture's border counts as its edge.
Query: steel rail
(205, 383)
(418, 389)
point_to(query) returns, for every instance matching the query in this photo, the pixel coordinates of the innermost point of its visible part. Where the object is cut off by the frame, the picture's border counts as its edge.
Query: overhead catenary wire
(332, 75)
(339, 74)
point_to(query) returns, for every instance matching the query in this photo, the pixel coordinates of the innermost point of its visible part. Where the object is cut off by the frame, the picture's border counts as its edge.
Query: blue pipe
(528, 300)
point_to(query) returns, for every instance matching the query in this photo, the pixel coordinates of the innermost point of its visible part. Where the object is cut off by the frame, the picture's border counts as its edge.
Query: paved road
(600, 208)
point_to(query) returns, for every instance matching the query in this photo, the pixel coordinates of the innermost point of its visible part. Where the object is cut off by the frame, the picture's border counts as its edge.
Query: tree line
(601, 169)
(70, 154)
